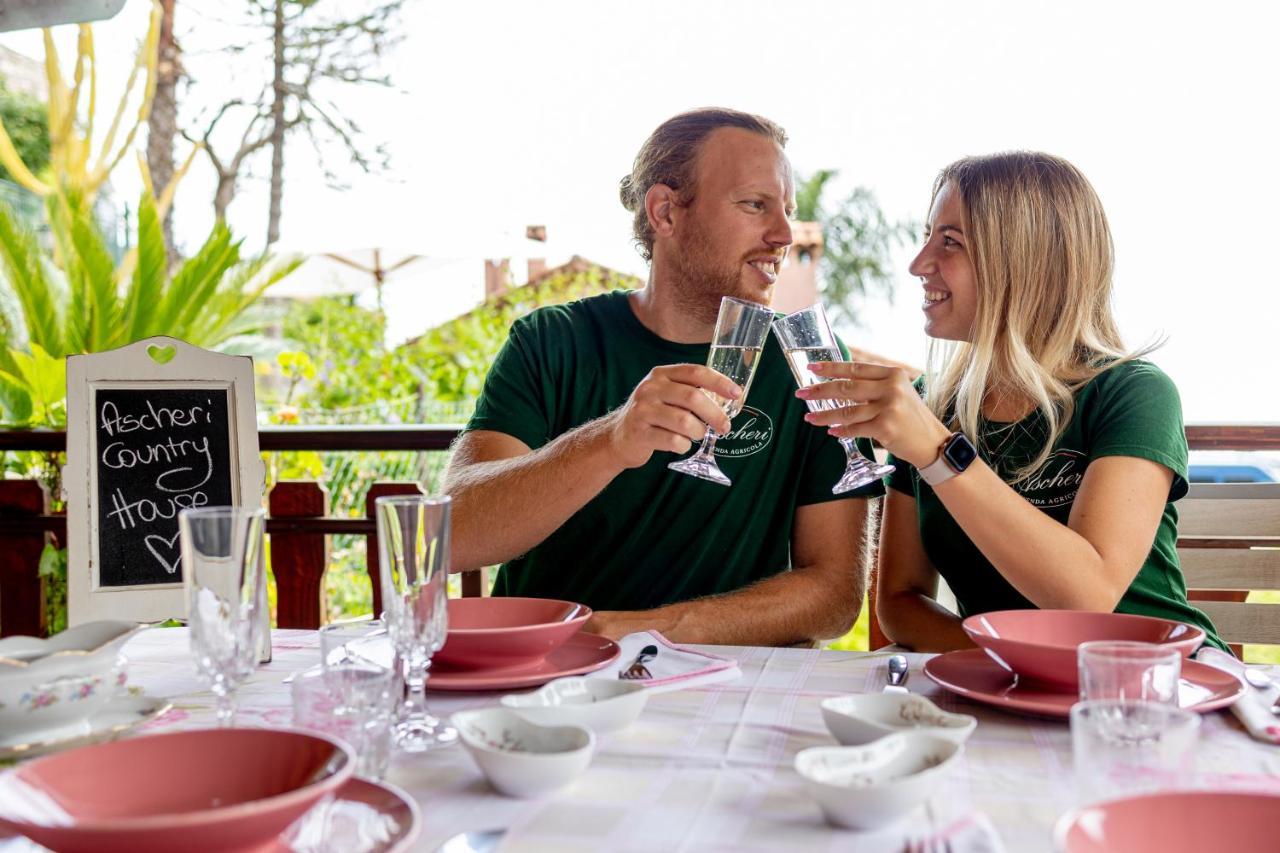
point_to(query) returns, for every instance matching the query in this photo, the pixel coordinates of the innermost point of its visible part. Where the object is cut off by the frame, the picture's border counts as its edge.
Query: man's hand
(616, 624)
(668, 410)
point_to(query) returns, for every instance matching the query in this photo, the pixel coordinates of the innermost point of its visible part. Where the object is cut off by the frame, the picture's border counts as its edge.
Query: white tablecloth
(710, 768)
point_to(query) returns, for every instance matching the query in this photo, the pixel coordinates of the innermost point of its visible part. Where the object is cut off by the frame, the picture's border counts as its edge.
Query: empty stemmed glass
(806, 338)
(741, 328)
(222, 561)
(413, 568)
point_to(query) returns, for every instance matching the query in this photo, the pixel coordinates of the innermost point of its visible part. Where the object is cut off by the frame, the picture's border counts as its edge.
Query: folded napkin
(972, 834)
(1253, 708)
(673, 667)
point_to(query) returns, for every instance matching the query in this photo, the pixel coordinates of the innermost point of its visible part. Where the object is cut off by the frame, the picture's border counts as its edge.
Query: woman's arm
(1086, 564)
(907, 585)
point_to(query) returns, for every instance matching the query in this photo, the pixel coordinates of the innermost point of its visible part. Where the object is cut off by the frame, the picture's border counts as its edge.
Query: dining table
(709, 767)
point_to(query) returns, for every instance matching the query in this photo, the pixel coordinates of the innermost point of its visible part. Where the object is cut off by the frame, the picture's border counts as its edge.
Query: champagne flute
(736, 346)
(806, 338)
(222, 559)
(413, 568)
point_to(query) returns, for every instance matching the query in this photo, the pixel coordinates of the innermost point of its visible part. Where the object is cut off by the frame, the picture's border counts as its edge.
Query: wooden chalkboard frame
(133, 367)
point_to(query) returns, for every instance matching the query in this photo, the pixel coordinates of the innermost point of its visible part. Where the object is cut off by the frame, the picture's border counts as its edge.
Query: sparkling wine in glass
(413, 569)
(222, 560)
(736, 345)
(806, 339)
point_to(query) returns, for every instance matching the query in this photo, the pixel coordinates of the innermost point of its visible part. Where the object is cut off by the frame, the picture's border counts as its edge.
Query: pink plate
(582, 653)
(970, 673)
(1042, 643)
(1180, 822)
(233, 789)
(373, 817)
(501, 632)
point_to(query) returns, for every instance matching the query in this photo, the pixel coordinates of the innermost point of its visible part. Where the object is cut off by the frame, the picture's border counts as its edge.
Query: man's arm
(819, 599)
(508, 498)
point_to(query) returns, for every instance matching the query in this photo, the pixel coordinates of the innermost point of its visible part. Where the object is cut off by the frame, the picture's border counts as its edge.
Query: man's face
(731, 240)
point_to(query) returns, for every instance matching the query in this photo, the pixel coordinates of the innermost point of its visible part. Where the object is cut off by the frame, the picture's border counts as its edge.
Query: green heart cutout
(161, 355)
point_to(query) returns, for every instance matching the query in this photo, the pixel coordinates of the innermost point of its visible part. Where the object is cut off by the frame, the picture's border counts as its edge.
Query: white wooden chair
(1229, 540)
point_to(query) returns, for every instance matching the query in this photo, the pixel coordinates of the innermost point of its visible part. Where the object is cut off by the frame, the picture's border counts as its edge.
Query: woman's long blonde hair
(1042, 258)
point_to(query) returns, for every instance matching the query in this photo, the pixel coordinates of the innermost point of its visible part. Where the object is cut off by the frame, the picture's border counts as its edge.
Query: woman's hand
(880, 403)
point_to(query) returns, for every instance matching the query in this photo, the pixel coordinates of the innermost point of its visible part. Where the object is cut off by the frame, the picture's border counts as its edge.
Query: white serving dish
(870, 786)
(520, 758)
(600, 704)
(862, 718)
(49, 688)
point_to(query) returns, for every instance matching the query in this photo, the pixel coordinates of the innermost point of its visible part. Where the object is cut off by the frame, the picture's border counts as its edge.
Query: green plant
(27, 121)
(858, 242)
(78, 300)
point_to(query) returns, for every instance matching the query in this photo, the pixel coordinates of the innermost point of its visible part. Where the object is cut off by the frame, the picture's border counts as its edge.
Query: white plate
(116, 717)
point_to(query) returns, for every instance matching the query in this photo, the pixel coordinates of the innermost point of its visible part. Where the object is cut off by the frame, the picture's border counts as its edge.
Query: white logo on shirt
(751, 431)
(1057, 481)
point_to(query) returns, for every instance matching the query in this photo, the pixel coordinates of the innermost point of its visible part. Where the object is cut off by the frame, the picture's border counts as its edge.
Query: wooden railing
(298, 521)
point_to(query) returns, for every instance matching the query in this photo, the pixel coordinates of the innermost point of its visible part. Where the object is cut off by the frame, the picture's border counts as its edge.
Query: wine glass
(736, 346)
(806, 338)
(222, 559)
(413, 568)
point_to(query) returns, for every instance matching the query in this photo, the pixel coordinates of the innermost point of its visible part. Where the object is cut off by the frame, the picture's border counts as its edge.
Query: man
(561, 475)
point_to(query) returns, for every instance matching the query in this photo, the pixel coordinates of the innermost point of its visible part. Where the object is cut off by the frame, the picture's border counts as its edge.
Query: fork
(638, 671)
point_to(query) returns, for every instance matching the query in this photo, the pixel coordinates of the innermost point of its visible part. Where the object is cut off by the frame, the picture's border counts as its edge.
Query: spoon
(898, 671)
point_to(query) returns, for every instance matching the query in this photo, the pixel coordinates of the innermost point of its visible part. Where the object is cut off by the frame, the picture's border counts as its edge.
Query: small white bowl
(520, 758)
(862, 718)
(51, 687)
(599, 704)
(867, 787)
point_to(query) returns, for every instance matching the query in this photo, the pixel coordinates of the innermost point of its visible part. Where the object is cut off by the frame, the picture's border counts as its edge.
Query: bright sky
(514, 112)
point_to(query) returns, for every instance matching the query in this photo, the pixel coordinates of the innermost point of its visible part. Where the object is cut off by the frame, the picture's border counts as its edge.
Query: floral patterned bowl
(51, 687)
(521, 758)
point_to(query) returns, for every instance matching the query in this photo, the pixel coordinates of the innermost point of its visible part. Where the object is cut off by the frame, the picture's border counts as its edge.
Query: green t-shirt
(1131, 409)
(653, 536)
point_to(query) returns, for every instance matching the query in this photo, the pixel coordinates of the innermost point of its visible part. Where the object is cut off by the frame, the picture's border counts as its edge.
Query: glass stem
(415, 700)
(850, 450)
(708, 443)
(226, 708)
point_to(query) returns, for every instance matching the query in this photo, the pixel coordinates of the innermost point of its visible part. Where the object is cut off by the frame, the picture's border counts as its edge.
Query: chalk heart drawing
(168, 544)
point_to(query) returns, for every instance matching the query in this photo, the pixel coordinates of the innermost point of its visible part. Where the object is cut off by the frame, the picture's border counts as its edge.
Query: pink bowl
(1041, 644)
(215, 789)
(501, 632)
(1189, 822)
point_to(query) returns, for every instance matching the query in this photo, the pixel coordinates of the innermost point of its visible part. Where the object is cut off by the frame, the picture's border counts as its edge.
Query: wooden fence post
(381, 490)
(298, 560)
(21, 590)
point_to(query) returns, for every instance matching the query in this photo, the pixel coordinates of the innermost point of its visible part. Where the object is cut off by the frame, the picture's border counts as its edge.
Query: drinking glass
(352, 700)
(736, 345)
(1120, 669)
(222, 560)
(806, 339)
(362, 641)
(1123, 747)
(413, 568)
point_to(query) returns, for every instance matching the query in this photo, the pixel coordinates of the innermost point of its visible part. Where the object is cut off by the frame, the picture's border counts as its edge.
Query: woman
(1041, 466)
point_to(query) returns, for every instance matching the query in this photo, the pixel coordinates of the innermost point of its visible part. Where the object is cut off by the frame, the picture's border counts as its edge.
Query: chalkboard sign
(159, 451)
(152, 428)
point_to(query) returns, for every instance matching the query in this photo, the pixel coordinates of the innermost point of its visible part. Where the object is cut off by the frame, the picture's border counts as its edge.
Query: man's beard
(702, 279)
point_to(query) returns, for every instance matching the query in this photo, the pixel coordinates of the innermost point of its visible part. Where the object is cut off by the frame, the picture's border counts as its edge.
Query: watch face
(959, 452)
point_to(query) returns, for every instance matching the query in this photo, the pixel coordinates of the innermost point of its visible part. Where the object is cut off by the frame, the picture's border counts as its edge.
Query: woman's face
(946, 270)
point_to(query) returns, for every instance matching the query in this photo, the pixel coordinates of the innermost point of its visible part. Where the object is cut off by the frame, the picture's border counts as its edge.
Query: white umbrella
(351, 271)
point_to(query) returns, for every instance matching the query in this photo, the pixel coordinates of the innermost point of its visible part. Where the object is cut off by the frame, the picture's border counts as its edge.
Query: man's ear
(660, 204)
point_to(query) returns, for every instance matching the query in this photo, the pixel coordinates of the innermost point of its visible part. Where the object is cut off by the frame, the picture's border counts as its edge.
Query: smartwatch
(956, 454)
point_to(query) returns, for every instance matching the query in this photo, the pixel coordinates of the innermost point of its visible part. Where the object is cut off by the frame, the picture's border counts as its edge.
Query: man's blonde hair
(1042, 258)
(669, 156)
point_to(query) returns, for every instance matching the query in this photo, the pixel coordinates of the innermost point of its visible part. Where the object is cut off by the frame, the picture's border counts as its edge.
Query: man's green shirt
(1131, 409)
(653, 536)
